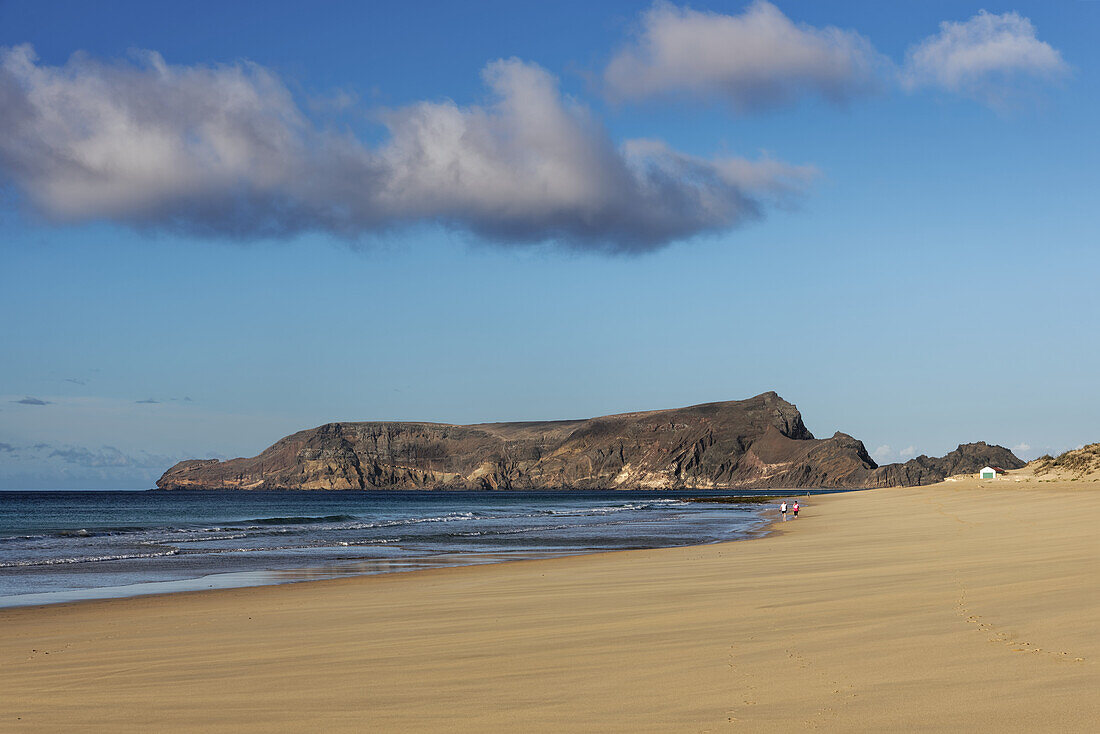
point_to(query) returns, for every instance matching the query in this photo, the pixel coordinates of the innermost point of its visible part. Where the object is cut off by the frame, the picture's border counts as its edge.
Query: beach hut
(987, 473)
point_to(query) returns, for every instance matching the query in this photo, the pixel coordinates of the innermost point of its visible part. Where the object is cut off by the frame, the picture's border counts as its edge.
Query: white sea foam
(210, 538)
(87, 559)
(452, 517)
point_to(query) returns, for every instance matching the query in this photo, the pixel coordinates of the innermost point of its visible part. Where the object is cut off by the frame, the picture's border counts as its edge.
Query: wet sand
(960, 607)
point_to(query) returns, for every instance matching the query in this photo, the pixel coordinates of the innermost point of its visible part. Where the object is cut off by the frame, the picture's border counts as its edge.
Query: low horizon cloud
(73, 466)
(104, 456)
(28, 400)
(109, 456)
(223, 150)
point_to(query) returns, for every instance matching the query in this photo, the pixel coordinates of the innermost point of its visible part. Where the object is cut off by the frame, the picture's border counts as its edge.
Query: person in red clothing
(794, 508)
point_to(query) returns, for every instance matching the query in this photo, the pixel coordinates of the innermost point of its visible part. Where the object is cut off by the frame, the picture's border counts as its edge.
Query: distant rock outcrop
(968, 458)
(756, 443)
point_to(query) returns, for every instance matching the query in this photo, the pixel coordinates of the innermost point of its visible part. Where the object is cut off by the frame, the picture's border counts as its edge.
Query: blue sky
(898, 235)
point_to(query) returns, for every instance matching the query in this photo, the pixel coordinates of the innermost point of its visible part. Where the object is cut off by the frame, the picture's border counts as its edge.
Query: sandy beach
(959, 607)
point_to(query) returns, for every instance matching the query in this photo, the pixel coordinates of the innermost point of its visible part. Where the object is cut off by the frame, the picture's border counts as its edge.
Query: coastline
(332, 530)
(876, 610)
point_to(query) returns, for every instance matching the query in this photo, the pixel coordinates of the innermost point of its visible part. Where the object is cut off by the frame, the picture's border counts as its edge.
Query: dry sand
(959, 608)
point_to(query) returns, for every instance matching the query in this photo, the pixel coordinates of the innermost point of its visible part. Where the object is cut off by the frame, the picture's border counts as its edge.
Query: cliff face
(756, 443)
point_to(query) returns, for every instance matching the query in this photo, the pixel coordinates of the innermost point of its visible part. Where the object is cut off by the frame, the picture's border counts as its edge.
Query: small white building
(987, 473)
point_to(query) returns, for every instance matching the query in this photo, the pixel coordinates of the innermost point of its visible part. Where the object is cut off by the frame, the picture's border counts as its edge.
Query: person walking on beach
(783, 509)
(794, 508)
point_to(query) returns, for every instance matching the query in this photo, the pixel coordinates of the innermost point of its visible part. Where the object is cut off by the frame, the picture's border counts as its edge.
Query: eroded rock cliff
(756, 443)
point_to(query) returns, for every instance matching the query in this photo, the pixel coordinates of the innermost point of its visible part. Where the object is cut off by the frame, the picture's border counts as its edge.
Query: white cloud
(758, 59)
(882, 453)
(141, 142)
(224, 150)
(1021, 448)
(984, 58)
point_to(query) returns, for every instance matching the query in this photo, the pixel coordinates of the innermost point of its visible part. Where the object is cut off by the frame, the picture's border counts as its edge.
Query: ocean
(68, 546)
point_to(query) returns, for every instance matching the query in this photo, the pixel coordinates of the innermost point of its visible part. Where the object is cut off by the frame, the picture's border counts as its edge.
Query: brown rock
(756, 443)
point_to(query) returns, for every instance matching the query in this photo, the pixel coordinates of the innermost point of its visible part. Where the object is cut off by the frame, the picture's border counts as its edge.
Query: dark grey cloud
(147, 401)
(7, 448)
(224, 150)
(32, 401)
(75, 381)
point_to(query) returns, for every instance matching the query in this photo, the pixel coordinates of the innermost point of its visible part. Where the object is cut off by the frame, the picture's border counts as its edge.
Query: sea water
(66, 546)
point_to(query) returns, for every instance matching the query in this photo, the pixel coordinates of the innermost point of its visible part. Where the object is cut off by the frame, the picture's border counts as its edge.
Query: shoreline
(293, 576)
(874, 611)
(279, 576)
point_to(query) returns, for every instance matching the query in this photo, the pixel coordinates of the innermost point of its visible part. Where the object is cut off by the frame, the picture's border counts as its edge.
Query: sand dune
(945, 608)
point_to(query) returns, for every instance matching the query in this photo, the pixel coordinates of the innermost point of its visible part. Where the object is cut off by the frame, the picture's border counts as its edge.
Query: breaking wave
(87, 559)
(300, 520)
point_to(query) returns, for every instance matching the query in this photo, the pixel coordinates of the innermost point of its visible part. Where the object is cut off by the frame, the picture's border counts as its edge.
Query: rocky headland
(745, 444)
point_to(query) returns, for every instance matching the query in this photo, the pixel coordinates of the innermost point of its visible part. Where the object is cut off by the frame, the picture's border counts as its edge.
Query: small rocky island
(744, 444)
